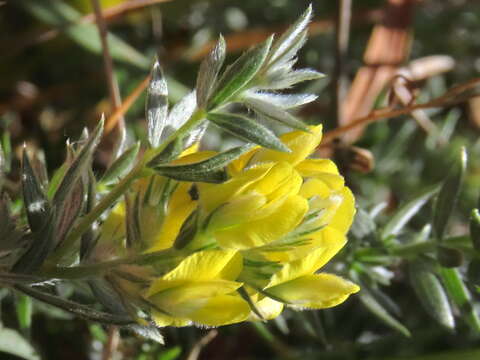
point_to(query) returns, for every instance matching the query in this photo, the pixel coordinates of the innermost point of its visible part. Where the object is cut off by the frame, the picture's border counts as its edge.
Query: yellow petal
(315, 291)
(343, 218)
(221, 310)
(180, 297)
(162, 320)
(215, 195)
(327, 242)
(301, 143)
(268, 307)
(312, 167)
(260, 232)
(180, 206)
(207, 265)
(240, 163)
(113, 229)
(237, 211)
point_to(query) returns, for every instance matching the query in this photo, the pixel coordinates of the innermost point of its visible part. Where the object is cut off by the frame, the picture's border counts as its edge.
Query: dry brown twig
(454, 96)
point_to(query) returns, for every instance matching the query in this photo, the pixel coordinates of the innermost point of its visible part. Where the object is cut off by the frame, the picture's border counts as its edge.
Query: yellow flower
(200, 290)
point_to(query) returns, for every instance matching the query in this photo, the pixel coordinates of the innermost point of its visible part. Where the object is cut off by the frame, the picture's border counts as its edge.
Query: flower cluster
(245, 248)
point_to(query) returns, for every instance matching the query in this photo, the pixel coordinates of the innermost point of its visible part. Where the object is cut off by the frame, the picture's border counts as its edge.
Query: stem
(119, 189)
(424, 246)
(97, 269)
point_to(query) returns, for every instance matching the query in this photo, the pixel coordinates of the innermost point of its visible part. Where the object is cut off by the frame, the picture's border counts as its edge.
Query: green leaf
(292, 38)
(40, 246)
(208, 72)
(170, 354)
(403, 215)
(80, 310)
(448, 195)
(24, 311)
(149, 332)
(273, 112)
(431, 293)
(449, 257)
(121, 165)
(156, 106)
(475, 229)
(363, 224)
(368, 299)
(247, 129)
(13, 343)
(460, 296)
(239, 74)
(61, 15)
(210, 170)
(36, 204)
(78, 167)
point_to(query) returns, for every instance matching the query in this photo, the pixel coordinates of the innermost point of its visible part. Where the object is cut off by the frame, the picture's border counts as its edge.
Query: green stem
(85, 223)
(166, 257)
(461, 242)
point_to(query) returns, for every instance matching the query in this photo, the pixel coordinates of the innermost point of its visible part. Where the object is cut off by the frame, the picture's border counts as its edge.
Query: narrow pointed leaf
(285, 81)
(448, 196)
(78, 166)
(291, 37)
(156, 106)
(23, 308)
(148, 332)
(40, 246)
(367, 299)
(121, 165)
(475, 228)
(239, 74)
(210, 170)
(431, 293)
(36, 204)
(403, 215)
(80, 310)
(273, 112)
(208, 72)
(281, 100)
(179, 115)
(247, 129)
(460, 296)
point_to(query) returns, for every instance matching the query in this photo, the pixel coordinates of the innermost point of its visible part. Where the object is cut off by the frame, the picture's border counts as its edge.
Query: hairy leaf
(431, 293)
(210, 170)
(239, 74)
(208, 72)
(156, 106)
(270, 111)
(448, 196)
(121, 165)
(247, 129)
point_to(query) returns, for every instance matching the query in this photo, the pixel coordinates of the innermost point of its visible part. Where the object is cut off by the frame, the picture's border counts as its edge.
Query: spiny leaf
(270, 111)
(431, 293)
(247, 129)
(210, 170)
(208, 72)
(403, 215)
(156, 106)
(448, 195)
(78, 166)
(239, 74)
(121, 165)
(36, 204)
